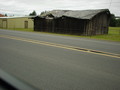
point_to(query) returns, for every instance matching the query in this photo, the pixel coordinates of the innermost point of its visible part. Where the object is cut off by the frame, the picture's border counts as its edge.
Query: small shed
(80, 22)
(16, 22)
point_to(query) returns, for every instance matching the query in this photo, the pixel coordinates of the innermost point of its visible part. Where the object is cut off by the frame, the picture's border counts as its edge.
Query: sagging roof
(79, 14)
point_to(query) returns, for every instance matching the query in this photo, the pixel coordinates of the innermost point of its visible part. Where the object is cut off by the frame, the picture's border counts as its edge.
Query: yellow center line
(62, 46)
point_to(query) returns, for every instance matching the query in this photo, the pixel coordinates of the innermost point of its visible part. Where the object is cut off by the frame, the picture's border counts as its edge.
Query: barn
(80, 22)
(16, 22)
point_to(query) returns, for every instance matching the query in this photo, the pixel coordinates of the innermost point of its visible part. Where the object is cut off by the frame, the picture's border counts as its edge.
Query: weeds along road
(51, 62)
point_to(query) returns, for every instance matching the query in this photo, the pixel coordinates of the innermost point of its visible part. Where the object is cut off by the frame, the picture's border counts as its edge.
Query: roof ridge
(80, 14)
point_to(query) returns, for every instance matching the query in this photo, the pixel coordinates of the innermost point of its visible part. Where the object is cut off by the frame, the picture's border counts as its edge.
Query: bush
(114, 22)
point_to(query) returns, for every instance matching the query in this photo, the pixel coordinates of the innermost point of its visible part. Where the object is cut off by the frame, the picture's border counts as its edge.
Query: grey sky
(24, 7)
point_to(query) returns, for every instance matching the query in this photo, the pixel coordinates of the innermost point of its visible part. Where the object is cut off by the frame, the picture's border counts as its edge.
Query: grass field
(113, 34)
(21, 29)
(114, 30)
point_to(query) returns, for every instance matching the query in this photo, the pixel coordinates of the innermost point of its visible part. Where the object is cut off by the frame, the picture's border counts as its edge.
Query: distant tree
(33, 13)
(6, 15)
(118, 22)
(112, 21)
(43, 12)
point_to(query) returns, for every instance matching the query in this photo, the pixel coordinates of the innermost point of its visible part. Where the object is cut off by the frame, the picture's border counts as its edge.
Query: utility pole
(110, 4)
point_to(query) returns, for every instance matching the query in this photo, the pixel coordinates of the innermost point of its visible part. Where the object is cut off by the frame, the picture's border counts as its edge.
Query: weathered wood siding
(69, 25)
(39, 24)
(60, 25)
(98, 25)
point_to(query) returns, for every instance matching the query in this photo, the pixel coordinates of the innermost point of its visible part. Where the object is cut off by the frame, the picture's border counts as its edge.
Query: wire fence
(114, 32)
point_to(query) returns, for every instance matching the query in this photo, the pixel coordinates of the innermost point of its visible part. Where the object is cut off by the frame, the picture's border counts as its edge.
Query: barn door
(4, 24)
(26, 24)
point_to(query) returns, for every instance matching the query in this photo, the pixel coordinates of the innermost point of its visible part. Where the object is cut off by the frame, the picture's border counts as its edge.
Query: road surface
(52, 62)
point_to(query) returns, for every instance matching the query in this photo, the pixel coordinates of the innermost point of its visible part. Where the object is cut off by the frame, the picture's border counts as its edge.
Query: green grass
(113, 34)
(114, 30)
(107, 37)
(22, 29)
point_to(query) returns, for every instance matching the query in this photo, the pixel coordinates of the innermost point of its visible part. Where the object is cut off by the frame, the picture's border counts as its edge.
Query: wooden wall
(97, 25)
(60, 25)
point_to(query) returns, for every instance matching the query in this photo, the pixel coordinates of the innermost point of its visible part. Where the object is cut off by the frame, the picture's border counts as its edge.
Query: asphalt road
(50, 67)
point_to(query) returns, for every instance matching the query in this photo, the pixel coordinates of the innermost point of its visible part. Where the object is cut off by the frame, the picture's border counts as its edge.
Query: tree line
(114, 22)
(33, 13)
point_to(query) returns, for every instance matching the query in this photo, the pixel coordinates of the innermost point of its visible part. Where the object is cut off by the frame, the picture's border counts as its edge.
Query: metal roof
(16, 17)
(79, 14)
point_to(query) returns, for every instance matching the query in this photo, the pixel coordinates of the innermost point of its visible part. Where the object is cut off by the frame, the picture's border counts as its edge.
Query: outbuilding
(16, 22)
(80, 22)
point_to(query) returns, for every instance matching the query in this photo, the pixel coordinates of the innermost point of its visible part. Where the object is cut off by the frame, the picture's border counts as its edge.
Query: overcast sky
(24, 7)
